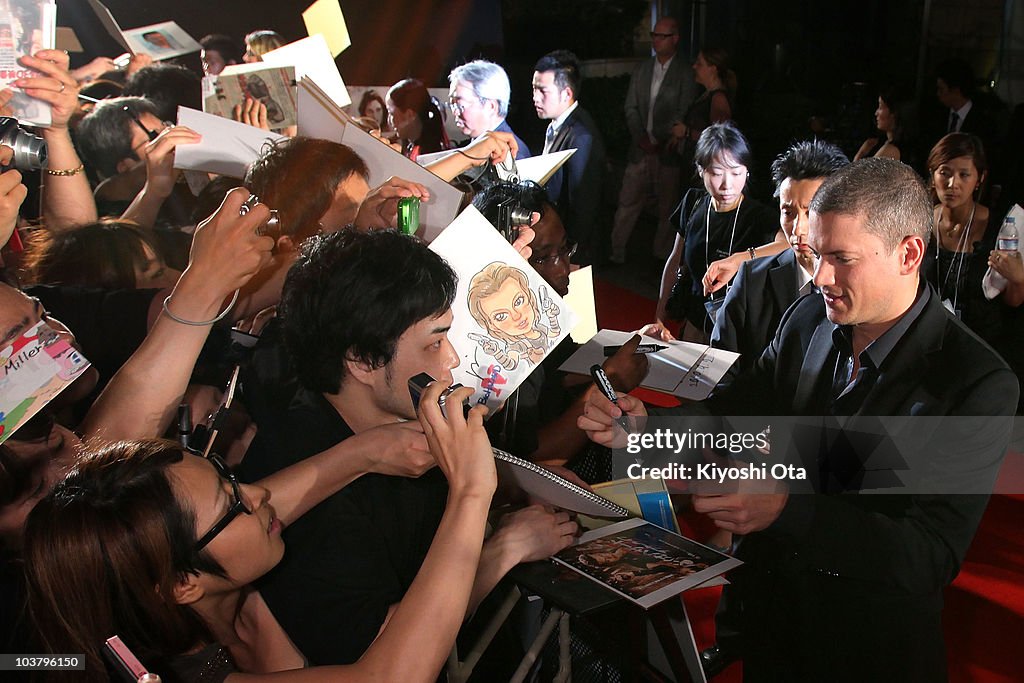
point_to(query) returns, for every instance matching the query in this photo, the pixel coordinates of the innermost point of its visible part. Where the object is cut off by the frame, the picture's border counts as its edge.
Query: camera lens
(29, 150)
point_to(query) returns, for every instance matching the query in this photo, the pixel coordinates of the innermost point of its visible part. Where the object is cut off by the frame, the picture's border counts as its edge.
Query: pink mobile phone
(124, 660)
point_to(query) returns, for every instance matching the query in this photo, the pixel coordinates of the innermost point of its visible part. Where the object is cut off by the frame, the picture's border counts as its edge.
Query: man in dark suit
(765, 287)
(575, 189)
(658, 95)
(478, 96)
(838, 586)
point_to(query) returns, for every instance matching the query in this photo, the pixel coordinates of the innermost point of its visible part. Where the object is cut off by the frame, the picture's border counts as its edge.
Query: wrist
(503, 551)
(194, 298)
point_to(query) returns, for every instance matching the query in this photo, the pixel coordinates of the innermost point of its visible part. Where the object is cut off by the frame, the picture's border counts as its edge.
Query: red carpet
(984, 615)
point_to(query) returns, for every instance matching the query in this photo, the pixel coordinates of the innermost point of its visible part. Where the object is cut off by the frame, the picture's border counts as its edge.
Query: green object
(409, 215)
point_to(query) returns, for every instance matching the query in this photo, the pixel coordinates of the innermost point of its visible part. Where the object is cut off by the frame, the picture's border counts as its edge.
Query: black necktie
(954, 119)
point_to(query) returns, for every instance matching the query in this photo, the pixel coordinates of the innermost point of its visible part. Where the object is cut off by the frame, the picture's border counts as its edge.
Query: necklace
(954, 230)
(957, 260)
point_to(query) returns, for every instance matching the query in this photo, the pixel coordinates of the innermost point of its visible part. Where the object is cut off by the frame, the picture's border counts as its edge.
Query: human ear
(911, 254)
(188, 590)
(361, 371)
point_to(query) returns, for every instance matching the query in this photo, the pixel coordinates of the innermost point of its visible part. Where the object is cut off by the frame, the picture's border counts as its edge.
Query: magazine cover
(507, 318)
(643, 562)
(273, 86)
(161, 41)
(37, 366)
(26, 26)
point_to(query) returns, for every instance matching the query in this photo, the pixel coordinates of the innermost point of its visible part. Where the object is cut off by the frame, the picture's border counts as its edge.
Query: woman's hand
(55, 86)
(459, 444)
(1008, 264)
(657, 330)
(12, 194)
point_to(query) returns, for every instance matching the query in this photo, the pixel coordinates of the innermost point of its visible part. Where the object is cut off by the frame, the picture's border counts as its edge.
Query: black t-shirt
(352, 556)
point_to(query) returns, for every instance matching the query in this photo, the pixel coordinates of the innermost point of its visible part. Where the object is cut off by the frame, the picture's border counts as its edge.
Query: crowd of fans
(107, 529)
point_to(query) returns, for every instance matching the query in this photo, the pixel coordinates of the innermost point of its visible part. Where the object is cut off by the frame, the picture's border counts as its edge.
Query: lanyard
(707, 229)
(958, 259)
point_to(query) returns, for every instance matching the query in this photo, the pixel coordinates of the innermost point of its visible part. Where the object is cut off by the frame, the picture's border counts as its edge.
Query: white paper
(992, 284)
(500, 337)
(320, 118)
(161, 41)
(110, 23)
(227, 148)
(312, 59)
(539, 169)
(581, 300)
(683, 369)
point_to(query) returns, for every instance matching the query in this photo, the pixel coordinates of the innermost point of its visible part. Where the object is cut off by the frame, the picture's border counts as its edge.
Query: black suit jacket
(762, 291)
(575, 189)
(849, 587)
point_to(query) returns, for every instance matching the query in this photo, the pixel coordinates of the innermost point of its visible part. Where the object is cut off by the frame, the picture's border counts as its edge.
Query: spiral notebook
(553, 488)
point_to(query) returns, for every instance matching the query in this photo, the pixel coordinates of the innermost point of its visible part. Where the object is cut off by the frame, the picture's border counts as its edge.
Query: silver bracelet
(219, 317)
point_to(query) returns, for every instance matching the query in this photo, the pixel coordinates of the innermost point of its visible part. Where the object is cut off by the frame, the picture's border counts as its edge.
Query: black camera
(29, 149)
(418, 384)
(512, 215)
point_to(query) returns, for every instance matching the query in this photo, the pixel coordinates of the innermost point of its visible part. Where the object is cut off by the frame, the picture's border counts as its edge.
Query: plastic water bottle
(1008, 239)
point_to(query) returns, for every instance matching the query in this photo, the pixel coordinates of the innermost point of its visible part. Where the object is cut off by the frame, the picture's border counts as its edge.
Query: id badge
(955, 311)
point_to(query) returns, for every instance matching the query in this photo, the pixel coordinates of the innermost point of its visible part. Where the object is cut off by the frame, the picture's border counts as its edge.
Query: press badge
(955, 311)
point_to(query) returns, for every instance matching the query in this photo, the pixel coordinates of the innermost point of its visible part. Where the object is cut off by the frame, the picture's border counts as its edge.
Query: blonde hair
(486, 283)
(262, 42)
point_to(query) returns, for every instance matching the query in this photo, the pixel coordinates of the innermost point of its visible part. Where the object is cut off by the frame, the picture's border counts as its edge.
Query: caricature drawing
(502, 303)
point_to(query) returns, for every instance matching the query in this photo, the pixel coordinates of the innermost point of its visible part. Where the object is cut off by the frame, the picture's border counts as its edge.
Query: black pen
(184, 424)
(604, 385)
(641, 348)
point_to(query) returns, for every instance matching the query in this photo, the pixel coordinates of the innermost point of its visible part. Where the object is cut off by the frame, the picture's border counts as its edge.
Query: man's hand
(627, 369)
(56, 86)
(741, 513)
(494, 146)
(137, 62)
(459, 444)
(600, 417)
(398, 449)
(535, 533)
(227, 250)
(160, 173)
(722, 271)
(379, 209)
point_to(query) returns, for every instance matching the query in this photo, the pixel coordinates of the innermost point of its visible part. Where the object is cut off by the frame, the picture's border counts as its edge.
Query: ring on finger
(62, 86)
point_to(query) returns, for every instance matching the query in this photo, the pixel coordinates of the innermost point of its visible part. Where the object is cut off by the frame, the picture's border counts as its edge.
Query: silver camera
(29, 149)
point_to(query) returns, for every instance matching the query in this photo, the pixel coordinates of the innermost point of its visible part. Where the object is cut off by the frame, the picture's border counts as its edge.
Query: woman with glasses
(161, 547)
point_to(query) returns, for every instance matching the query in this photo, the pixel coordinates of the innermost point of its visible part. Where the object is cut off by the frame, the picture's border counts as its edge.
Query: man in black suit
(765, 287)
(849, 587)
(659, 92)
(575, 189)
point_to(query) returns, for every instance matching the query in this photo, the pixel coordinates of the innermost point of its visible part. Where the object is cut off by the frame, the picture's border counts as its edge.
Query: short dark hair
(807, 160)
(721, 138)
(167, 86)
(532, 196)
(350, 295)
(956, 145)
(226, 46)
(104, 136)
(566, 67)
(298, 177)
(957, 74)
(888, 194)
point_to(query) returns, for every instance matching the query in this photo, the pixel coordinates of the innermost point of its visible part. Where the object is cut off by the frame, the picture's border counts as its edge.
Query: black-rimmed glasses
(237, 507)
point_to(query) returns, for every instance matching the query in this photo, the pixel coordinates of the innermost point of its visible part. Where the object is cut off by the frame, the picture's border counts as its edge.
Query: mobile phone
(409, 215)
(418, 384)
(124, 660)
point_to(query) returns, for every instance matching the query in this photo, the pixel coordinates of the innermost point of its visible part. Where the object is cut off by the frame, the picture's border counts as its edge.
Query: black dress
(957, 277)
(708, 238)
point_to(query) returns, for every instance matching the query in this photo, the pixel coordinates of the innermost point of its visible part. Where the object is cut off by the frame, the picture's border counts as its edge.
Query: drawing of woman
(501, 301)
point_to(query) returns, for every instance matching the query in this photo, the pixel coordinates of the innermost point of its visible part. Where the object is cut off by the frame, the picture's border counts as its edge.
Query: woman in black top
(713, 223)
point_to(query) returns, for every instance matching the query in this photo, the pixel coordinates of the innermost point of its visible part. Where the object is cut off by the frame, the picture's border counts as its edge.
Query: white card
(312, 59)
(506, 317)
(161, 41)
(227, 148)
